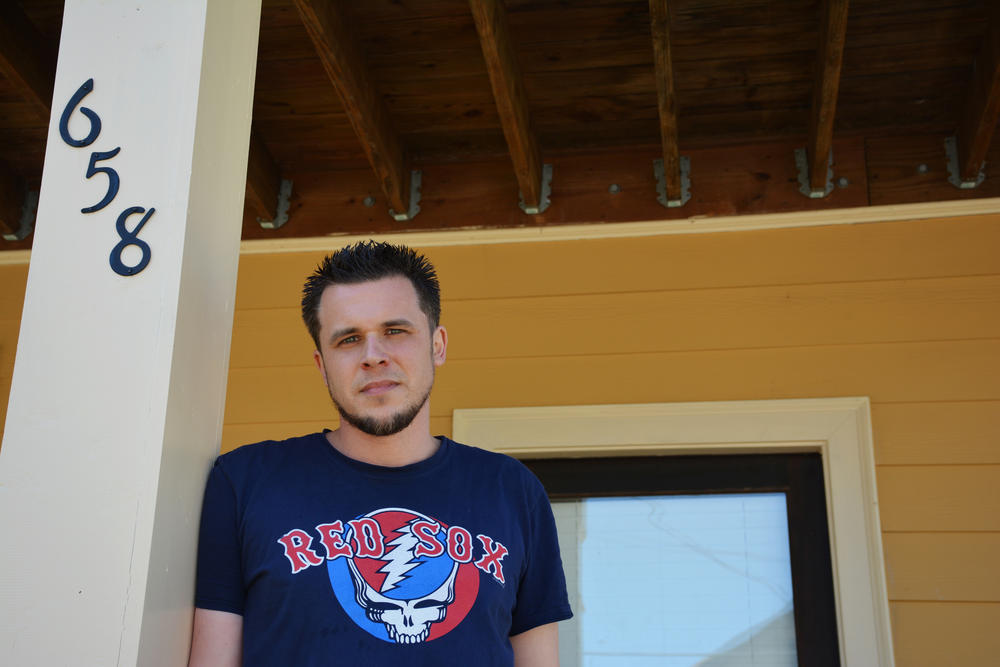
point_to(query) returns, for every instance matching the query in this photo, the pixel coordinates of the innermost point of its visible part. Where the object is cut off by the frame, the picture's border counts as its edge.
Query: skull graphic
(407, 621)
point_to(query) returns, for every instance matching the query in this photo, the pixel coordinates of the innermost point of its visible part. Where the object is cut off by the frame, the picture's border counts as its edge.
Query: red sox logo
(399, 575)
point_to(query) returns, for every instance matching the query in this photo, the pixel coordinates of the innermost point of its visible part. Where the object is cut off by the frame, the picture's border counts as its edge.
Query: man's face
(377, 353)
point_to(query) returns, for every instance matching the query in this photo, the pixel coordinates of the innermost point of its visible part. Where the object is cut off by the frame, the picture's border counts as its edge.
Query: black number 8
(130, 238)
(95, 120)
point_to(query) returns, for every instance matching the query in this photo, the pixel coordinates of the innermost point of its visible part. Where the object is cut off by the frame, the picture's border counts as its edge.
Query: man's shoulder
(491, 463)
(267, 453)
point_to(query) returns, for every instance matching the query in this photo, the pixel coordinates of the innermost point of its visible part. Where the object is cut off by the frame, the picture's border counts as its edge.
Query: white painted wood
(838, 428)
(14, 257)
(693, 225)
(119, 382)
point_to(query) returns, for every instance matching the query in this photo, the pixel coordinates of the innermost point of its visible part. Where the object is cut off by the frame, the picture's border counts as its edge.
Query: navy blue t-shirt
(333, 561)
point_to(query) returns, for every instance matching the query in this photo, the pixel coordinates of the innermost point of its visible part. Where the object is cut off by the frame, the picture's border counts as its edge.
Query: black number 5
(113, 180)
(95, 120)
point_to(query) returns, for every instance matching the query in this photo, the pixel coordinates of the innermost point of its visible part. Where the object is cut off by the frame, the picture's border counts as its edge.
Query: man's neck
(411, 445)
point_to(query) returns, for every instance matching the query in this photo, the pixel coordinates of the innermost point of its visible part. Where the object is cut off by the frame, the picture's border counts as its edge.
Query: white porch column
(118, 387)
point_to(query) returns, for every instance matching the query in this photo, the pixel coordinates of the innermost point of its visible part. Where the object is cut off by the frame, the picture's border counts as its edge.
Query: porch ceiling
(478, 95)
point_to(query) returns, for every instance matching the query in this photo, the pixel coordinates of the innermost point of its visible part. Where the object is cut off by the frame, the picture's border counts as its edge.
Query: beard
(390, 425)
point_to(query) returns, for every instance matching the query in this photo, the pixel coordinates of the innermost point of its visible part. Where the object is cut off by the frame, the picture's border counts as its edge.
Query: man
(376, 543)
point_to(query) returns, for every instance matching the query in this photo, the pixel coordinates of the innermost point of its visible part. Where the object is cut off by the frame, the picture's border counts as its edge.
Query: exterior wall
(905, 313)
(13, 280)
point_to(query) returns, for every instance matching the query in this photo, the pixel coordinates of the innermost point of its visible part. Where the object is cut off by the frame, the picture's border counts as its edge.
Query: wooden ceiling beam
(982, 110)
(833, 30)
(511, 99)
(659, 18)
(263, 180)
(338, 48)
(23, 59)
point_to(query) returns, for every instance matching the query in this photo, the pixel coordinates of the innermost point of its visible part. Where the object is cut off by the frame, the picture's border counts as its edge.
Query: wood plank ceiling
(393, 115)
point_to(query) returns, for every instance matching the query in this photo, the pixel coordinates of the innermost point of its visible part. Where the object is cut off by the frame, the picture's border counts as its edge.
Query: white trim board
(612, 230)
(838, 428)
(692, 225)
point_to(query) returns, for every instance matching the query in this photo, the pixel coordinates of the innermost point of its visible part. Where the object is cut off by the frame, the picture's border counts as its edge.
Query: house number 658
(128, 238)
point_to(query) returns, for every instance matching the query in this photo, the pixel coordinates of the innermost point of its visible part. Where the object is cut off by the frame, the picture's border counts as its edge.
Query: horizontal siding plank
(275, 280)
(943, 566)
(928, 433)
(843, 313)
(269, 337)
(840, 253)
(903, 372)
(274, 395)
(234, 435)
(10, 328)
(968, 370)
(13, 281)
(939, 498)
(945, 634)
(779, 316)
(442, 426)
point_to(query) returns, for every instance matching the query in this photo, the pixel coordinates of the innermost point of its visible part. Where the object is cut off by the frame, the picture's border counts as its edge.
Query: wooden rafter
(338, 49)
(263, 180)
(982, 110)
(511, 100)
(833, 30)
(24, 60)
(659, 18)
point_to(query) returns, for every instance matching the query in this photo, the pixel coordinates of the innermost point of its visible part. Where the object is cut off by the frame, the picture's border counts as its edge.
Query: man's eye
(395, 331)
(348, 340)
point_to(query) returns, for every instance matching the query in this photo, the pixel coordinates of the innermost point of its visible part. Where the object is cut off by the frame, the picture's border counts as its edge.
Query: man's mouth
(379, 387)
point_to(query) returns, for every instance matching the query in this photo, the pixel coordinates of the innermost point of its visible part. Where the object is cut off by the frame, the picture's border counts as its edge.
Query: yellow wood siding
(925, 566)
(936, 634)
(907, 313)
(915, 433)
(13, 279)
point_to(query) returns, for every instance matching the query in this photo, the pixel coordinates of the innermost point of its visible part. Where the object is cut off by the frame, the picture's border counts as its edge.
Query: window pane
(677, 581)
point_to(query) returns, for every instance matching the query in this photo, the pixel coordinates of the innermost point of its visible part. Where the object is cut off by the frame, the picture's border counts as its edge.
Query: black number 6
(113, 180)
(95, 120)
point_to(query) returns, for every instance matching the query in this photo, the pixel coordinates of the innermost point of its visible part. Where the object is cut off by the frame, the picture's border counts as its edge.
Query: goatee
(382, 427)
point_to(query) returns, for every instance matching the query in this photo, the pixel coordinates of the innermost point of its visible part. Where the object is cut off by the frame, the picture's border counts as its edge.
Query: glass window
(677, 581)
(694, 561)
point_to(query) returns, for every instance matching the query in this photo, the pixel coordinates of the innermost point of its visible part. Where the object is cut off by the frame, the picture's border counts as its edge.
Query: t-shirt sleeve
(541, 596)
(219, 582)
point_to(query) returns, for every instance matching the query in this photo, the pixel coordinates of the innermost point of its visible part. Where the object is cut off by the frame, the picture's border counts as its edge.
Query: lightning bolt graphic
(400, 559)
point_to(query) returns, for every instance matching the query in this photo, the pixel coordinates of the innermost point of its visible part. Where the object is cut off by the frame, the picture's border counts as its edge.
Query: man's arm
(537, 647)
(217, 639)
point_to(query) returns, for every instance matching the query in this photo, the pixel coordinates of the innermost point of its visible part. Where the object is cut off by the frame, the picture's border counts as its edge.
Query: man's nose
(374, 352)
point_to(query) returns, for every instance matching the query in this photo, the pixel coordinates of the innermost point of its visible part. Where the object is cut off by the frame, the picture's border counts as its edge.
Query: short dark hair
(366, 261)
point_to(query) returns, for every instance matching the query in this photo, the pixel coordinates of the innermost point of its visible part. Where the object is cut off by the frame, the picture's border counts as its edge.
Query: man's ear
(318, 360)
(439, 345)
